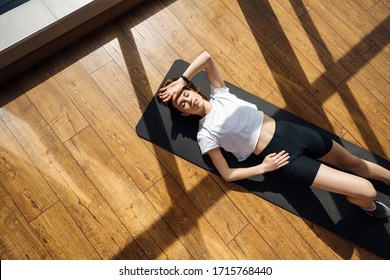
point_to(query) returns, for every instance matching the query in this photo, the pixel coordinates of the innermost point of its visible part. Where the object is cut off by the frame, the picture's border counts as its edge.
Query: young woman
(286, 149)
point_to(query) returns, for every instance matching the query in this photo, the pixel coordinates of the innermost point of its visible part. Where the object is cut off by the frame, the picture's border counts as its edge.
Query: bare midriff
(267, 132)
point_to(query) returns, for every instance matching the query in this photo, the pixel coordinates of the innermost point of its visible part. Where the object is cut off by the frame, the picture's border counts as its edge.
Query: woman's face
(189, 102)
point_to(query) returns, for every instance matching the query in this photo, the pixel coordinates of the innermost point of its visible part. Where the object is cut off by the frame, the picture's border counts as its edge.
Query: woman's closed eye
(183, 102)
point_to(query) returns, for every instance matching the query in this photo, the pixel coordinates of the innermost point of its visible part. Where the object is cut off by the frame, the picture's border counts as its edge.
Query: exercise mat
(332, 211)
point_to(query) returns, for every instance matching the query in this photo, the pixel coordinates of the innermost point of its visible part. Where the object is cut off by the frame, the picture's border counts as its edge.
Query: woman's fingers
(280, 159)
(283, 157)
(284, 162)
(282, 154)
(271, 155)
(278, 155)
(165, 96)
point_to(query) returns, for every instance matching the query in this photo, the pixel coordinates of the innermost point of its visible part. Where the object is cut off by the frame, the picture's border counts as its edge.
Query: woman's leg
(338, 156)
(357, 190)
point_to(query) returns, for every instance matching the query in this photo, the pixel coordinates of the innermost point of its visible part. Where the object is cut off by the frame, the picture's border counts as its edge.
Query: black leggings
(304, 146)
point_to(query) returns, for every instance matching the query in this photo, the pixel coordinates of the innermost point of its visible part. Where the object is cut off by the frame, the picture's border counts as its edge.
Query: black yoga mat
(331, 211)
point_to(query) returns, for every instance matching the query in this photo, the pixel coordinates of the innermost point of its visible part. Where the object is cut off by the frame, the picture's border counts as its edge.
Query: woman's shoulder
(219, 89)
(216, 91)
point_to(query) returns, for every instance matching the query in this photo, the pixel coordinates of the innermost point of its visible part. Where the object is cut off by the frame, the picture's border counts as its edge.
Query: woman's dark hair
(189, 86)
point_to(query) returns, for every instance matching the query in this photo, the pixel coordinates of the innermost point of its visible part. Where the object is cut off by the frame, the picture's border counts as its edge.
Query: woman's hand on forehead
(171, 91)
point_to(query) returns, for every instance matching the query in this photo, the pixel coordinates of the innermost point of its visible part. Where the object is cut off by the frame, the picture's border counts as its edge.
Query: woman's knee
(366, 190)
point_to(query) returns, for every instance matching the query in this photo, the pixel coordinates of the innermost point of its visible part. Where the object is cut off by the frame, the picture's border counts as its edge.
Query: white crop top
(232, 124)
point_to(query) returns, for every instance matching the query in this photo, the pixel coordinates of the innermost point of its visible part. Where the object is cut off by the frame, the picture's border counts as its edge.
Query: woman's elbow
(230, 179)
(206, 54)
(227, 177)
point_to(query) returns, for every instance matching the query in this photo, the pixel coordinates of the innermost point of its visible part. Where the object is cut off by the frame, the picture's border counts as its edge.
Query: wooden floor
(76, 182)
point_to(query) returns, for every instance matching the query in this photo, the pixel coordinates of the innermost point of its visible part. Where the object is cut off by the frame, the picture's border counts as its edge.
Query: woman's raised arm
(203, 62)
(206, 62)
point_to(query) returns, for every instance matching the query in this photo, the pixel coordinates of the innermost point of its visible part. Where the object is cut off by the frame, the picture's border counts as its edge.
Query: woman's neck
(206, 108)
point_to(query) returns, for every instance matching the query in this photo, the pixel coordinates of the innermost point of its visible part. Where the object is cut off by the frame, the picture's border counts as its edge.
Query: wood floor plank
(380, 12)
(127, 44)
(187, 222)
(145, 35)
(326, 244)
(20, 177)
(162, 28)
(121, 92)
(18, 240)
(367, 4)
(221, 48)
(61, 236)
(125, 198)
(349, 58)
(267, 219)
(347, 24)
(133, 63)
(51, 101)
(321, 57)
(80, 197)
(303, 69)
(90, 53)
(296, 8)
(363, 23)
(219, 211)
(171, 29)
(259, 22)
(227, 21)
(203, 3)
(313, 81)
(376, 115)
(379, 59)
(386, 2)
(110, 125)
(366, 26)
(249, 245)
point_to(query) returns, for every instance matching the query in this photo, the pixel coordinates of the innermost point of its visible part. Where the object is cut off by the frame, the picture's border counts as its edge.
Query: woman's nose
(188, 100)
